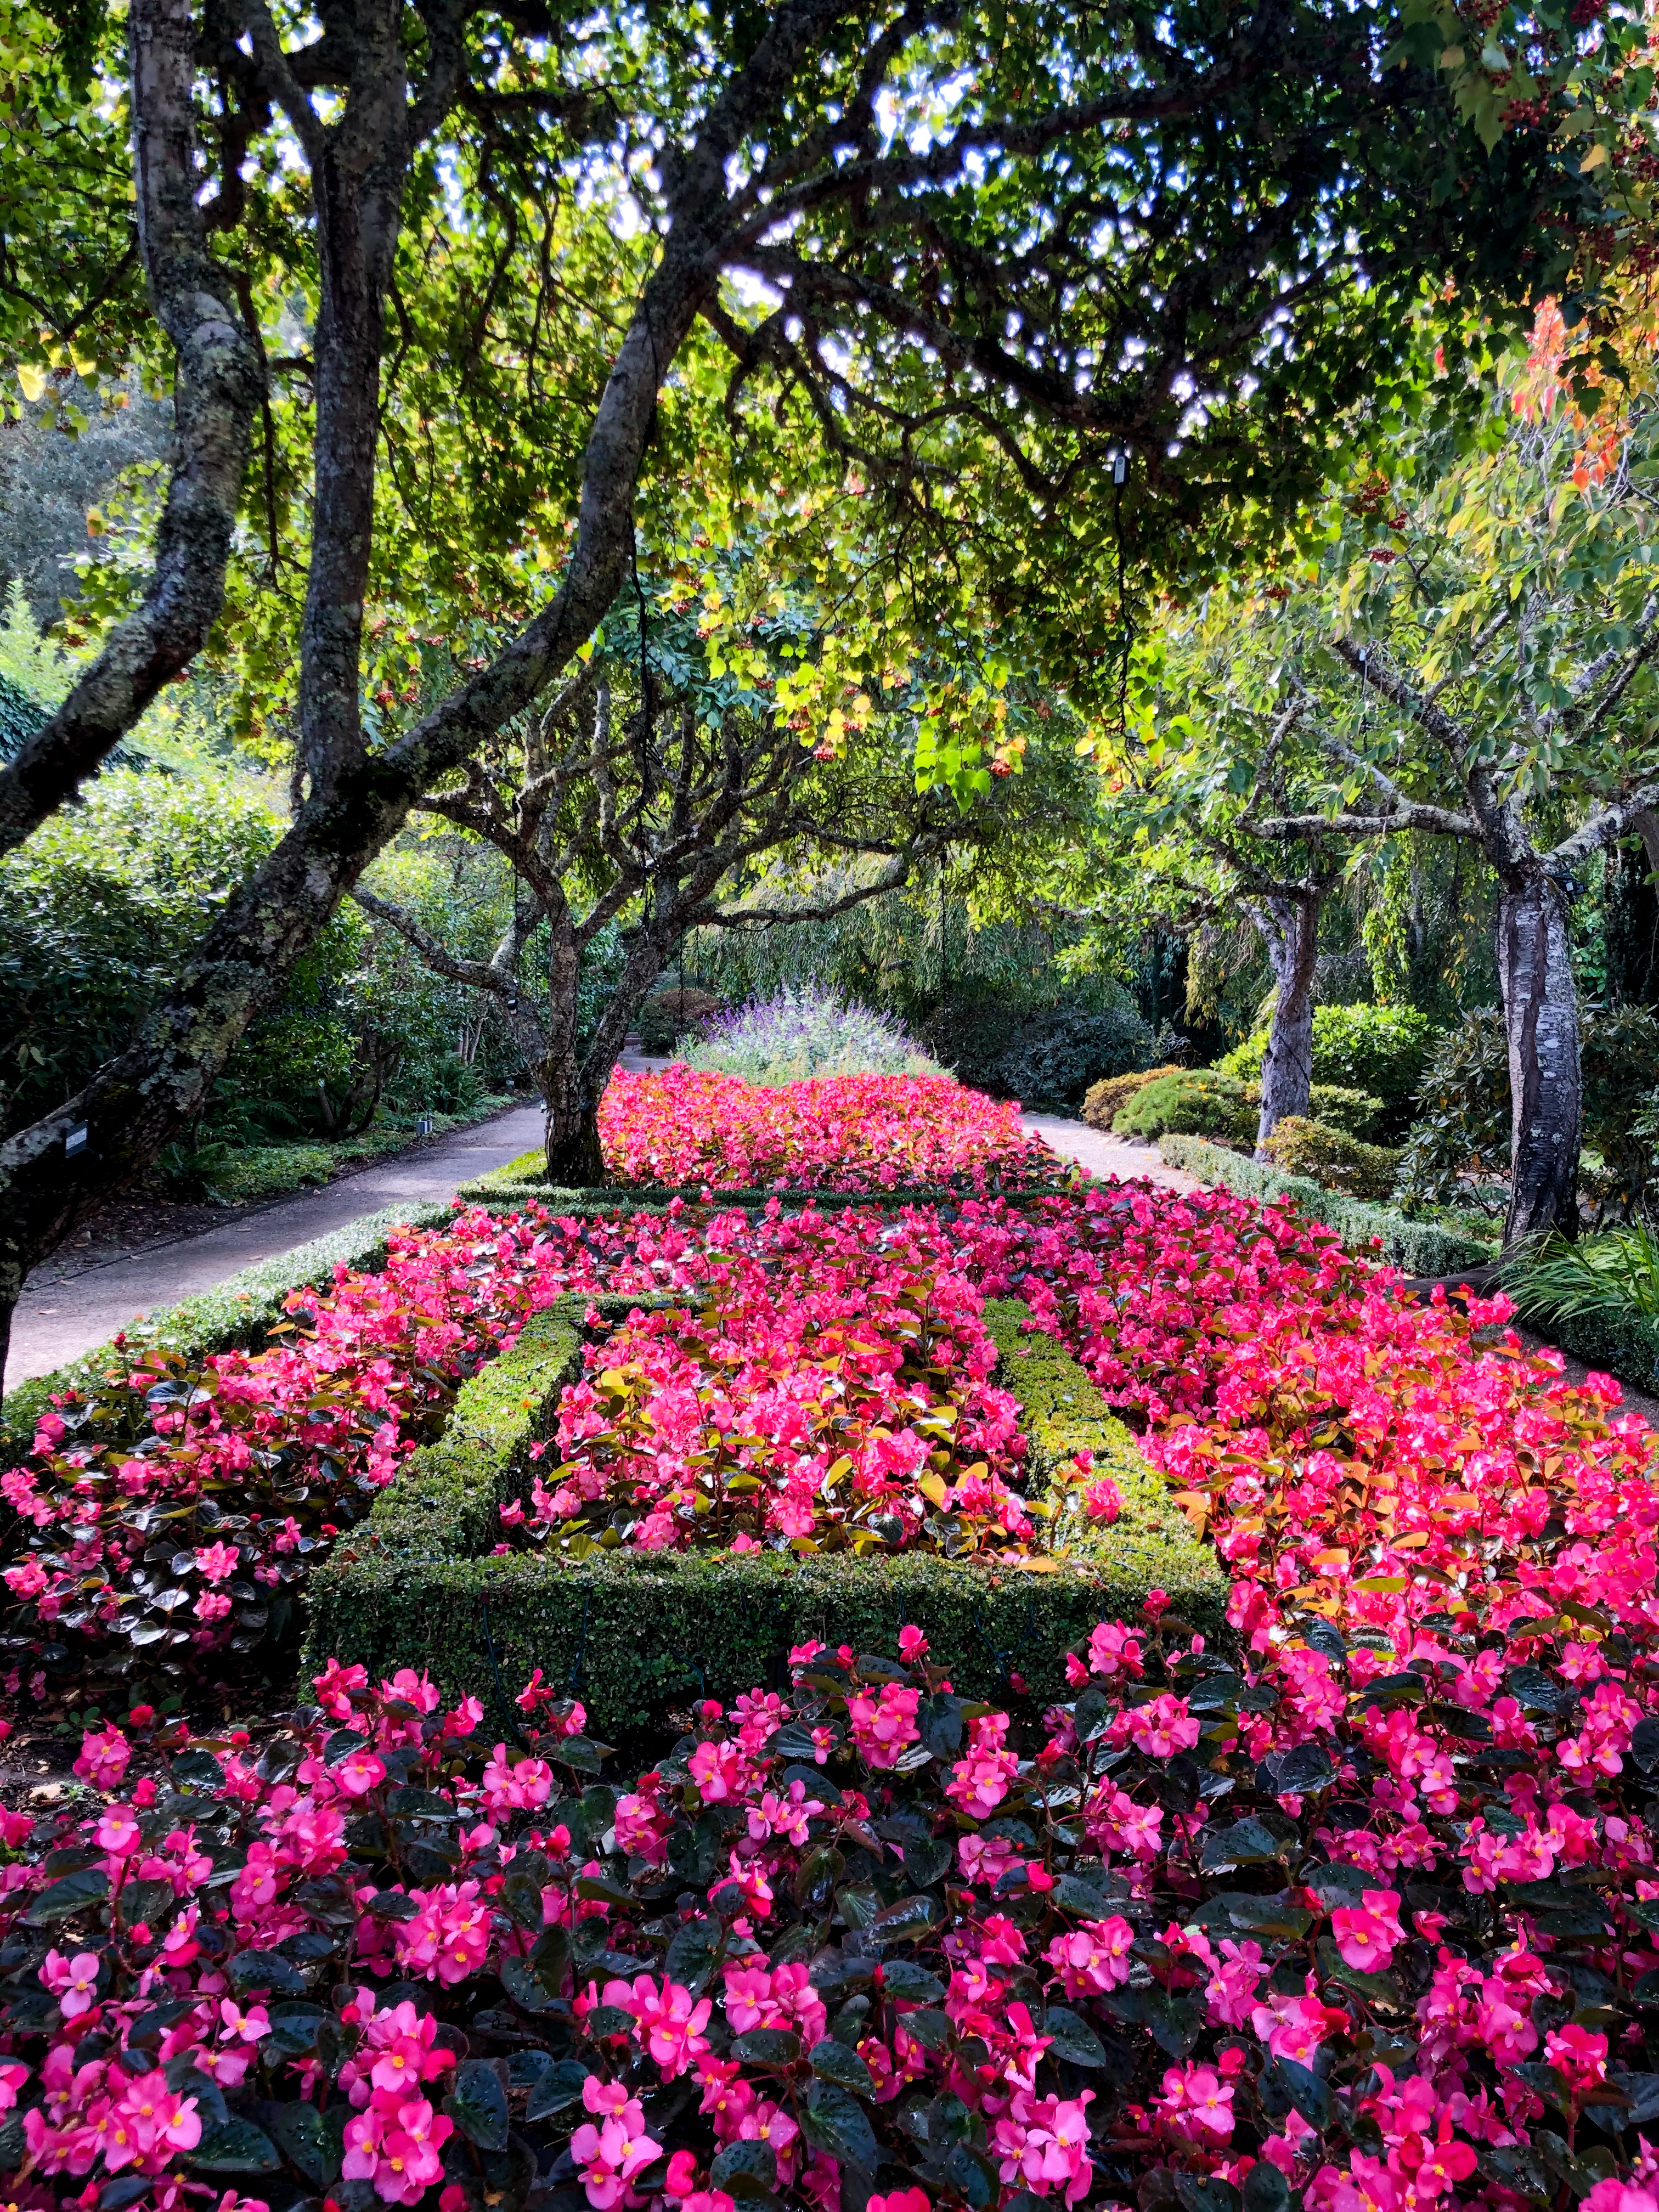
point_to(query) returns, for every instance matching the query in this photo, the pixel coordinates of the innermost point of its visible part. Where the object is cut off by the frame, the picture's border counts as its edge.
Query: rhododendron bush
(169, 1522)
(829, 1133)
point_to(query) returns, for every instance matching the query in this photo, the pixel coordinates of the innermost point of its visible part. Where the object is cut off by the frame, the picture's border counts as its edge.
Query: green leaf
(926, 1860)
(767, 2046)
(1071, 2036)
(754, 2163)
(833, 2121)
(559, 2088)
(932, 2030)
(833, 2062)
(903, 1978)
(478, 2104)
(236, 2146)
(691, 1954)
(522, 1983)
(302, 2138)
(76, 1892)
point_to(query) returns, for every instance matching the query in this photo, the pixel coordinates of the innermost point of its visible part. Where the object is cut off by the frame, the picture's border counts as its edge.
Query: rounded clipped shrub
(1359, 1113)
(1330, 1156)
(1199, 1102)
(1384, 1050)
(1106, 1099)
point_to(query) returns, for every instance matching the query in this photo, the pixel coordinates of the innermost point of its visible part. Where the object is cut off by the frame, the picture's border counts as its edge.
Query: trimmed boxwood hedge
(237, 1312)
(633, 1632)
(520, 1182)
(446, 1497)
(1417, 1248)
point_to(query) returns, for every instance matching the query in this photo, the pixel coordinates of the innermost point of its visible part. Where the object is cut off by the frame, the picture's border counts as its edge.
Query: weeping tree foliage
(447, 296)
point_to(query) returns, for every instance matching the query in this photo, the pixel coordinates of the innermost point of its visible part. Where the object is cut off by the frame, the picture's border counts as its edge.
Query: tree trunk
(574, 1161)
(1289, 923)
(1541, 1018)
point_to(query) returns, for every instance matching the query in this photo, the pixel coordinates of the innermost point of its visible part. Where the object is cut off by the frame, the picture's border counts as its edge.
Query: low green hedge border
(520, 1183)
(1625, 1345)
(1417, 1248)
(631, 1632)
(238, 1311)
(447, 1496)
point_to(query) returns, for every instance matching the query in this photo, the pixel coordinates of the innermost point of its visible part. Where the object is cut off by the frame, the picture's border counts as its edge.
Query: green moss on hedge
(632, 1631)
(237, 1312)
(446, 1497)
(1417, 1248)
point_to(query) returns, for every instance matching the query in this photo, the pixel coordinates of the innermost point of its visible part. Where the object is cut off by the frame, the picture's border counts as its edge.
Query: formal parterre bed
(1360, 1912)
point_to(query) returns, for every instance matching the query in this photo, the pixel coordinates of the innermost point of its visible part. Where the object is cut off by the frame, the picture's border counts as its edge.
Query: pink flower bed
(1359, 1916)
(829, 1398)
(832, 1133)
(171, 1524)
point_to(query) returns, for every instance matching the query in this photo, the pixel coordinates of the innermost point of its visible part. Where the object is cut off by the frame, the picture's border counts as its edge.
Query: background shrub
(1330, 1157)
(800, 1033)
(669, 1015)
(1197, 1101)
(1053, 1058)
(1463, 1129)
(1383, 1050)
(1358, 1113)
(1107, 1098)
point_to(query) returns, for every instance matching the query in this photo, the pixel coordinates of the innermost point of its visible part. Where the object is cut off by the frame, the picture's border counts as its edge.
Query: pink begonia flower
(1197, 2102)
(1580, 2053)
(104, 1756)
(73, 1982)
(1094, 1957)
(217, 1561)
(211, 1605)
(1367, 1934)
(612, 2153)
(980, 1782)
(1044, 2145)
(247, 2026)
(360, 1771)
(913, 1646)
(1615, 2196)
(1234, 1980)
(901, 2200)
(1102, 1501)
(116, 1831)
(1164, 1726)
(883, 1726)
(682, 2176)
(1294, 2028)
(13, 2075)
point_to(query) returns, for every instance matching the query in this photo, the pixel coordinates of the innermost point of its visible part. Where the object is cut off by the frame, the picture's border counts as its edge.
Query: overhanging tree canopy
(1001, 247)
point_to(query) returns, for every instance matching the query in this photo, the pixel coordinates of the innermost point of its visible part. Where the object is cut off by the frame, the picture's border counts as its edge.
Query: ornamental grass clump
(798, 1033)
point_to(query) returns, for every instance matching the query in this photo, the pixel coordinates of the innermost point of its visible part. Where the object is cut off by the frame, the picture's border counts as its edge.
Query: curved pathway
(58, 1318)
(62, 1315)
